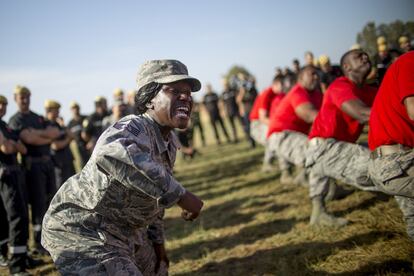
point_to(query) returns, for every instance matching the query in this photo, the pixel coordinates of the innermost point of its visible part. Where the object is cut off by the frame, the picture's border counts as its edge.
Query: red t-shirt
(263, 101)
(389, 122)
(285, 118)
(275, 103)
(254, 113)
(331, 121)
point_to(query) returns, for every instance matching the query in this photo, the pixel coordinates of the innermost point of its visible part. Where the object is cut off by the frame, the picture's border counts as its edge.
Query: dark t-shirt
(382, 64)
(249, 96)
(328, 77)
(75, 127)
(8, 133)
(93, 125)
(210, 101)
(62, 156)
(229, 99)
(21, 121)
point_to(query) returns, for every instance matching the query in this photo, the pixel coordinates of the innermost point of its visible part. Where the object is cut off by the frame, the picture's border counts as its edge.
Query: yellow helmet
(403, 39)
(73, 104)
(3, 100)
(323, 60)
(118, 92)
(21, 90)
(381, 40)
(51, 104)
(99, 99)
(356, 46)
(382, 48)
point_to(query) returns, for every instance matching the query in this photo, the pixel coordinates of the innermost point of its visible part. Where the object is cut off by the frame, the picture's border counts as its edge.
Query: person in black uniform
(13, 208)
(61, 154)
(75, 126)
(40, 176)
(210, 101)
(92, 125)
(245, 99)
(328, 72)
(232, 110)
(196, 124)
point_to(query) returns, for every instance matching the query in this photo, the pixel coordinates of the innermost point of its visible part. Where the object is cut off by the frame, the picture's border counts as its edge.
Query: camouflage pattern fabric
(165, 71)
(289, 147)
(342, 161)
(406, 205)
(95, 222)
(258, 132)
(394, 174)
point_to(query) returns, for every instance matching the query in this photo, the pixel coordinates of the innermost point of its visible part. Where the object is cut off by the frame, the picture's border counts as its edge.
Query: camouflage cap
(163, 72)
(3, 100)
(21, 90)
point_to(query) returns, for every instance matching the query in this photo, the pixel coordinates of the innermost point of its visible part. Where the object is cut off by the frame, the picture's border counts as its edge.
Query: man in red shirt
(267, 101)
(259, 116)
(391, 136)
(290, 122)
(332, 152)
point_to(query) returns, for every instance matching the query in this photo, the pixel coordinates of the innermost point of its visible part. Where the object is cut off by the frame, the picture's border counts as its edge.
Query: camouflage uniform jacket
(123, 189)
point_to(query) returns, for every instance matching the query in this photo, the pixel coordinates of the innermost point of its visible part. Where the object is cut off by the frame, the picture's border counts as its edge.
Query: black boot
(20, 263)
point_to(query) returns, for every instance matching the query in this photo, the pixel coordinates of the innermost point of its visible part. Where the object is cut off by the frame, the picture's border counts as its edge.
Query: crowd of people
(309, 120)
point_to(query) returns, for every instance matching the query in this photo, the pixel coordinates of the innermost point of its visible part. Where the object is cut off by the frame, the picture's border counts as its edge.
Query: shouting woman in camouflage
(107, 220)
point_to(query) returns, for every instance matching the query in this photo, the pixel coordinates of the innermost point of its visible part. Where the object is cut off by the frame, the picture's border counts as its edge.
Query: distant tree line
(367, 38)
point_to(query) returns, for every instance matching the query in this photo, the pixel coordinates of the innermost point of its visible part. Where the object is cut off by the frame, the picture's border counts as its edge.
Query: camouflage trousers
(394, 174)
(258, 132)
(103, 255)
(346, 162)
(289, 147)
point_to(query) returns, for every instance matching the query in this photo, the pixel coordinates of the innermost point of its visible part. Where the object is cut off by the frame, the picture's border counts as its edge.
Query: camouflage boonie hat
(163, 72)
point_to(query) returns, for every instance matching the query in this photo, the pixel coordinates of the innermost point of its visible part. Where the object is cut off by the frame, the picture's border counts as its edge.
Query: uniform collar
(159, 140)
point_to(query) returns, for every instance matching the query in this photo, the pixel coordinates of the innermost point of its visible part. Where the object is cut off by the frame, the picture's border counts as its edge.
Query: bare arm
(8, 146)
(32, 137)
(263, 117)
(49, 132)
(60, 144)
(409, 105)
(239, 100)
(306, 112)
(357, 110)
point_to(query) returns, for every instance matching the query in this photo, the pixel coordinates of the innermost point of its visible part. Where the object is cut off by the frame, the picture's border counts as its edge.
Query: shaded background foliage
(367, 38)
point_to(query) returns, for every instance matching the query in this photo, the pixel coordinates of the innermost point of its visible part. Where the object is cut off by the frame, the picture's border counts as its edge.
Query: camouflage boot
(301, 179)
(336, 191)
(321, 218)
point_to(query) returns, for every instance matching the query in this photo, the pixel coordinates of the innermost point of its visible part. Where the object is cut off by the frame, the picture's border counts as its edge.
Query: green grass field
(253, 225)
